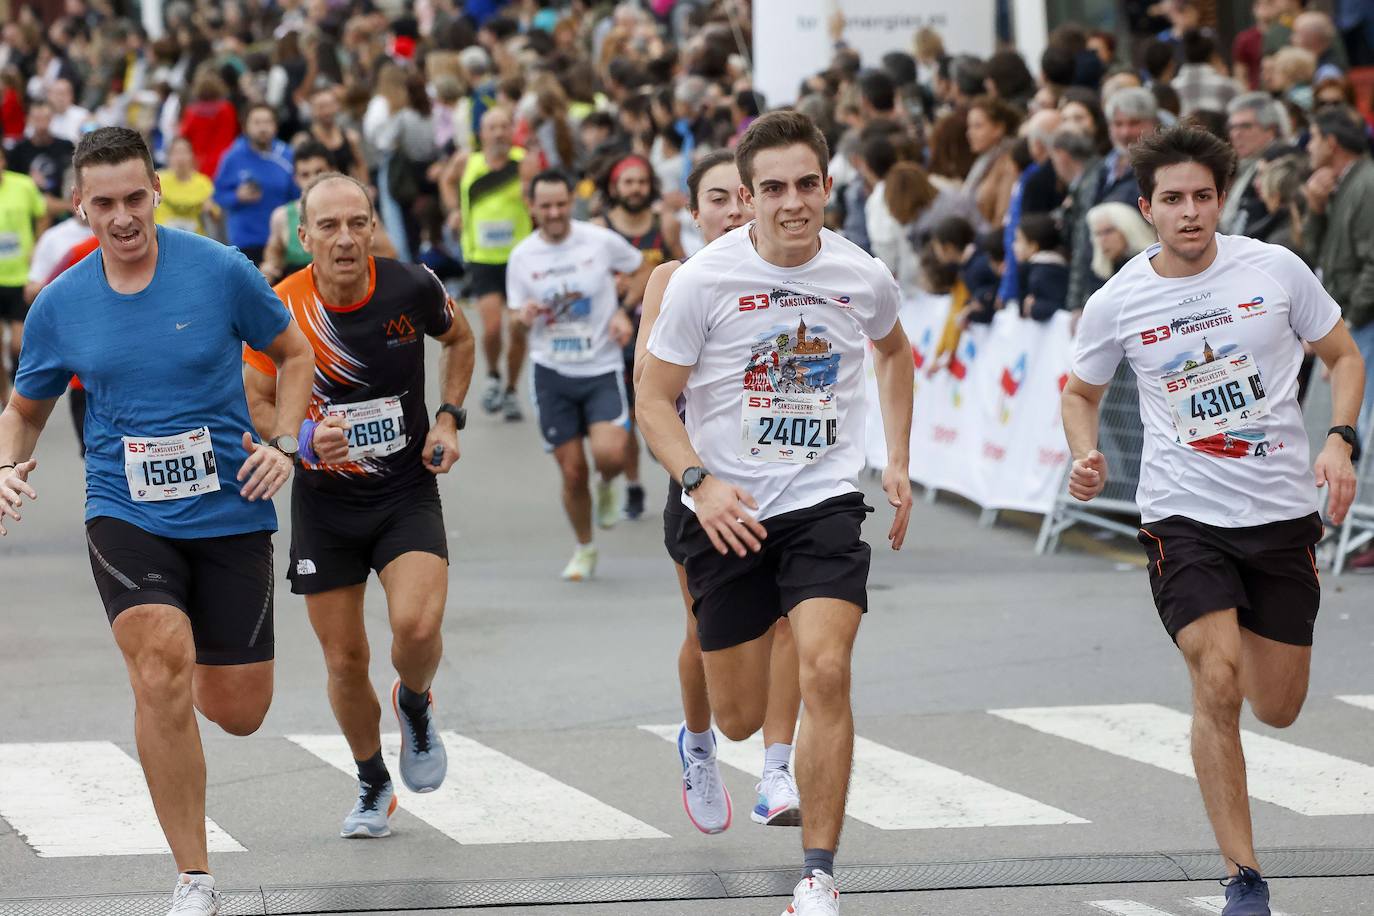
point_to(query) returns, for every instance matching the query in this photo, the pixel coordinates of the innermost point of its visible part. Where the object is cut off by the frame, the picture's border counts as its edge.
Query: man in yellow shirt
(187, 195)
(23, 217)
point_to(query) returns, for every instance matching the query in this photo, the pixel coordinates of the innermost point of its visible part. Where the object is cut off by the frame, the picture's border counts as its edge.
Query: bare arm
(21, 424)
(355, 143)
(653, 303)
(672, 234)
(261, 391)
(635, 284)
(896, 371)
(1079, 406)
(449, 180)
(1338, 352)
(459, 357)
(274, 256)
(267, 469)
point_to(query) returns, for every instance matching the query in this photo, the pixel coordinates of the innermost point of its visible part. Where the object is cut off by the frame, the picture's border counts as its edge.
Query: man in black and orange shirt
(378, 508)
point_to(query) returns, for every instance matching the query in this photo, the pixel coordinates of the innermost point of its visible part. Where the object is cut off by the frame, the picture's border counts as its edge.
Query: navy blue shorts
(568, 406)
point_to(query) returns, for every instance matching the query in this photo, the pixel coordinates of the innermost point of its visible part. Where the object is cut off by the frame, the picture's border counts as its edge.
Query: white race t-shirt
(1251, 307)
(573, 282)
(54, 245)
(775, 401)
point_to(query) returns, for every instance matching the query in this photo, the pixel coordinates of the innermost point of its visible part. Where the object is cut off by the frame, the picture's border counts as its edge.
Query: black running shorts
(223, 584)
(817, 552)
(337, 541)
(673, 512)
(1268, 573)
(12, 304)
(485, 279)
(568, 405)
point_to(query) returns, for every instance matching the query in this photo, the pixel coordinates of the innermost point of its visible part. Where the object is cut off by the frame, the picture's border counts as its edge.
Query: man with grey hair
(1132, 113)
(1257, 123)
(1073, 155)
(1314, 31)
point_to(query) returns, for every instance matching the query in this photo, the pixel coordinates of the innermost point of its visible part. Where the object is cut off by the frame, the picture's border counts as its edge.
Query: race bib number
(788, 428)
(9, 245)
(170, 467)
(1216, 397)
(376, 428)
(570, 342)
(495, 233)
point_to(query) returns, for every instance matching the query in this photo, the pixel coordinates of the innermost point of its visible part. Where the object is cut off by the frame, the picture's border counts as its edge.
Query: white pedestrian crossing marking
(891, 790)
(1127, 908)
(84, 798)
(1364, 702)
(1217, 904)
(490, 797)
(1300, 779)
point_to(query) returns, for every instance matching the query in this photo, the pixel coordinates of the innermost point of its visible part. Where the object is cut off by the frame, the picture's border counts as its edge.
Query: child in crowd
(1045, 272)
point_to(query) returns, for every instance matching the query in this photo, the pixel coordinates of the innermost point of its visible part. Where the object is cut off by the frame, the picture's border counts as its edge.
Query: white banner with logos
(986, 419)
(792, 37)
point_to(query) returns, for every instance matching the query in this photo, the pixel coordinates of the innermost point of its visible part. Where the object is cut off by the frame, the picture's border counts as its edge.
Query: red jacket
(211, 127)
(11, 115)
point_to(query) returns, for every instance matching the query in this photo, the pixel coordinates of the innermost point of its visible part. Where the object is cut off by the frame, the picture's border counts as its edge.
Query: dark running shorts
(673, 512)
(486, 279)
(568, 405)
(336, 542)
(817, 552)
(1268, 573)
(223, 584)
(12, 305)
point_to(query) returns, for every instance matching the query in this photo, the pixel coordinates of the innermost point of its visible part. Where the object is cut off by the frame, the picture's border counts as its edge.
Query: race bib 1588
(170, 467)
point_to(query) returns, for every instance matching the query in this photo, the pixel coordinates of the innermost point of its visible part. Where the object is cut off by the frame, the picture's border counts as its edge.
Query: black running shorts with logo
(12, 304)
(1268, 573)
(223, 584)
(568, 405)
(485, 279)
(337, 541)
(816, 552)
(673, 511)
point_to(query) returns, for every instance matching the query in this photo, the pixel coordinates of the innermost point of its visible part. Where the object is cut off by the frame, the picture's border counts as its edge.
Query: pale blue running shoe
(371, 817)
(424, 762)
(1247, 894)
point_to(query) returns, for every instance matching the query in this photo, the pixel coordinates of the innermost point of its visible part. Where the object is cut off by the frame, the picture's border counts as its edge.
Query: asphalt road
(1011, 707)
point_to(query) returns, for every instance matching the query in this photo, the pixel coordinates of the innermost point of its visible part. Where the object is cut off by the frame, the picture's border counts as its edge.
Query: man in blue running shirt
(179, 518)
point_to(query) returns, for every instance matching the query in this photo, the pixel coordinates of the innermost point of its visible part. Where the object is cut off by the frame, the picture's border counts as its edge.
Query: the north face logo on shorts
(305, 567)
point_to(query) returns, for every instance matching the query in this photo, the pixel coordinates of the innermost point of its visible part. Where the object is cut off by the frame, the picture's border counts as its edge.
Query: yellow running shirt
(183, 201)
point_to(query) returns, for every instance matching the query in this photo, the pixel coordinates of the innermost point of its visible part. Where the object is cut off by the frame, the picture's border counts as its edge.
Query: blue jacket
(248, 224)
(1047, 279)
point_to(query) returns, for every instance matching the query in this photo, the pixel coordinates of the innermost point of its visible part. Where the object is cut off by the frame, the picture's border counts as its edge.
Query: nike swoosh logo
(182, 327)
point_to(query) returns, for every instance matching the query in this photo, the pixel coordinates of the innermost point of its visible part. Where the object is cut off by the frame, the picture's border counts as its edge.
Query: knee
(825, 680)
(161, 671)
(1280, 713)
(239, 721)
(736, 721)
(423, 630)
(348, 662)
(1216, 687)
(575, 477)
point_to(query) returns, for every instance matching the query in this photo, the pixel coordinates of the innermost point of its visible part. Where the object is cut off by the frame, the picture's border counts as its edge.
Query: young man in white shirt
(765, 330)
(1213, 328)
(561, 281)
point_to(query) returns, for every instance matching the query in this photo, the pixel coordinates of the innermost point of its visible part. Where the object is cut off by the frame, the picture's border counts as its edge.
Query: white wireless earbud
(81, 212)
(157, 199)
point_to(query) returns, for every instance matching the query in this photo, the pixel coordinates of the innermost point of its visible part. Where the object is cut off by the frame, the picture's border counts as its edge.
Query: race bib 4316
(1216, 397)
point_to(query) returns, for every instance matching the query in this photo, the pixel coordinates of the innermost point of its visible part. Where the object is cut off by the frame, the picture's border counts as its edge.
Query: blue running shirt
(161, 362)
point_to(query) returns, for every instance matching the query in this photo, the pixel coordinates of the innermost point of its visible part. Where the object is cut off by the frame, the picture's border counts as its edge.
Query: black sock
(823, 859)
(194, 872)
(412, 702)
(495, 375)
(373, 770)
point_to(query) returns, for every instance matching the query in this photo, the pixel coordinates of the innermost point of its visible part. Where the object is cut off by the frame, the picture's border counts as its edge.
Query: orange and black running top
(369, 361)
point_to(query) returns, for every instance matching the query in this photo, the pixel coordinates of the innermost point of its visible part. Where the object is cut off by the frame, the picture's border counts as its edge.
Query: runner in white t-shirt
(765, 330)
(1213, 328)
(561, 282)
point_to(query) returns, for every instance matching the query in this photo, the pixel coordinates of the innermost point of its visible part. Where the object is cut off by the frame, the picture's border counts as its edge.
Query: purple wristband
(304, 446)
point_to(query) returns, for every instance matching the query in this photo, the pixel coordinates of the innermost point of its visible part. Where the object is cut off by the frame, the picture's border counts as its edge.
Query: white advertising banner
(986, 419)
(792, 37)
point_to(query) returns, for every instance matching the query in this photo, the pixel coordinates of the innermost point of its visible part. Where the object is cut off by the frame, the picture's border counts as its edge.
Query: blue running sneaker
(371, 816)
(779, 802)
(1247, 894)
(704, 795)
(424, 762)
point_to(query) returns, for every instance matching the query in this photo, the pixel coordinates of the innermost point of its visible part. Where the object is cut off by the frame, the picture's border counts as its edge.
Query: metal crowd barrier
(1358, 530)
(1120, 439)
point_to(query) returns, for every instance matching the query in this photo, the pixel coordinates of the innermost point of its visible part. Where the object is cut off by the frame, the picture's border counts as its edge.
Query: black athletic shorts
(12, 305)
(568, 405)
(673, 512)
(817, 552)
(1268, 573)
(336, 541)
(223, 584)
(485, 279)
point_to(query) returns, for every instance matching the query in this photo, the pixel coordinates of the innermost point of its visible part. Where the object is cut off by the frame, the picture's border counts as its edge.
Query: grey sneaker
(491, 394)
(195, 895)
(371, 817)
(424, 762)
(510, 407)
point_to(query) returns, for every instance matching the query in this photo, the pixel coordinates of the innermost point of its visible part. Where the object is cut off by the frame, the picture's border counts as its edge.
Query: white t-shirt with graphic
(775, 401)
(573, 281)
(1216, 358)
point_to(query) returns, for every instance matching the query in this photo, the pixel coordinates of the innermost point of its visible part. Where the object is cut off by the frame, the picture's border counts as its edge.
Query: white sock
(777, 757)
(206, 880)
(700, 745)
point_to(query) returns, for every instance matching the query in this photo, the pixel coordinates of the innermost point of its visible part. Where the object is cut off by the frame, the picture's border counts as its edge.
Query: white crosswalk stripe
(1364, 702)
(490, 797)
(1300, 779)
(1127, 908)
(891, 790)
(84, 798)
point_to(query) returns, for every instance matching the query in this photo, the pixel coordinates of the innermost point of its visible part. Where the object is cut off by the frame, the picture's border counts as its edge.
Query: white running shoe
(817, 895)
(704, 795)
(779, 802)
(607, 505)
(195, 895)
(491, 395)
(582, 565)
(371, 814)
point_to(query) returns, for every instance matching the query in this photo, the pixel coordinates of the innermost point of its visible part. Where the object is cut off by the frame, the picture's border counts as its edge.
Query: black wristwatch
(287, 445)
(1349, 435)
(460, 416)
(692, 478)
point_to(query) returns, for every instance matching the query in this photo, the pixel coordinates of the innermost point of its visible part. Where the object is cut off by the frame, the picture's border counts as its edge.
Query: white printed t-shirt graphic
(775, 403)
(1254, 304)
(572, 281)
(170, 467)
